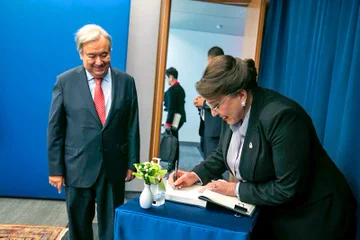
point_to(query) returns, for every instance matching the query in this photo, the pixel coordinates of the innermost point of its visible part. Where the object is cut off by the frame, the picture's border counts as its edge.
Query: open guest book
(192, 196)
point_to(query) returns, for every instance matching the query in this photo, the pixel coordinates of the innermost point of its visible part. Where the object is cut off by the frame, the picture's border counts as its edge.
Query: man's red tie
(99, 101)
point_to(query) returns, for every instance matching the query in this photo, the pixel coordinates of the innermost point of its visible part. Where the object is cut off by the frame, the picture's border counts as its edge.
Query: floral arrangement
(151, 173)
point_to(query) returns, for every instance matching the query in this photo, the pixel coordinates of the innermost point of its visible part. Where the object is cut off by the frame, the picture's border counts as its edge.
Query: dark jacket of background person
(212, 130)
(287, 173)
(210, 126)
(174, 102)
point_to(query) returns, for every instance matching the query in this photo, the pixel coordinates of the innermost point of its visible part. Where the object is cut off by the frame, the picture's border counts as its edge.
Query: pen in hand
(176, 169)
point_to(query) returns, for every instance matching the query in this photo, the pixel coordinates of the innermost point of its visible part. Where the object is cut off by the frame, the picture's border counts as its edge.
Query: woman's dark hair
(173, 72)
(227, 75)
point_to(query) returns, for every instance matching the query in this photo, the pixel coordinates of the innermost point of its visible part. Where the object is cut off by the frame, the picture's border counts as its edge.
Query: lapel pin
(250, 145)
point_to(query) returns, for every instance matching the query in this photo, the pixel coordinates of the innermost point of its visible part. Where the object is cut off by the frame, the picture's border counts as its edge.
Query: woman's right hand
(184, 179)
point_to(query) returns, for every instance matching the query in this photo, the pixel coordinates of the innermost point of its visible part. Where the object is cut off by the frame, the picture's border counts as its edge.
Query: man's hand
(199, 101)
(57, 182)
(129, 175)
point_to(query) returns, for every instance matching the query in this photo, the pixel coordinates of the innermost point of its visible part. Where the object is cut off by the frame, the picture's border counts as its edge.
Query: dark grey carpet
(32, 212)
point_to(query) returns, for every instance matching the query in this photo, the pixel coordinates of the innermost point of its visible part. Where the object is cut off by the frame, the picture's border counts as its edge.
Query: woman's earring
(243, 104)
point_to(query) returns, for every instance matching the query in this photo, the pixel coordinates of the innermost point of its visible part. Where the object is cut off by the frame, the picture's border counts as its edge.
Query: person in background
(93, 135)
(210, 126)
(269, 143)
(174, 102)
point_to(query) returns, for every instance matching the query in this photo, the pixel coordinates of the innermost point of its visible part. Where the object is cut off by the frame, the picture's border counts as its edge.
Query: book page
(189, 195)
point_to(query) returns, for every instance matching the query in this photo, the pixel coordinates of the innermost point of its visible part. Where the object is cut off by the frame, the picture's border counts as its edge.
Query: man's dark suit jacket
(211, 130)
(286, 171)
(78, 145)
(174, 102)
(212, 126)
(202, 125)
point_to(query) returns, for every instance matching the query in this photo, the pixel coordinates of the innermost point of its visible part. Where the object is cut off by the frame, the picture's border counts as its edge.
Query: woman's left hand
(221, 186)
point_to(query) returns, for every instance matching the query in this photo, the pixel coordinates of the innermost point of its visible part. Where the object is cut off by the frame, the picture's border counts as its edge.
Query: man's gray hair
(88, 33)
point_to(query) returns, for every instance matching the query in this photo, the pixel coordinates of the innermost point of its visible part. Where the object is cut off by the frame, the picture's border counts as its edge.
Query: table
(178, 222)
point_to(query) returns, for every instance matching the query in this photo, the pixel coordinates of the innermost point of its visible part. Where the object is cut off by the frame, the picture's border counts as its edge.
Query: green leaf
(162, 186)
(152, 172)
(138, 175)
(147, 180)
(152, 180)
(162, 173)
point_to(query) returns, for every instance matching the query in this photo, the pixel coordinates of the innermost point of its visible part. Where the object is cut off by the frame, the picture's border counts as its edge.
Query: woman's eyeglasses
(218, 104)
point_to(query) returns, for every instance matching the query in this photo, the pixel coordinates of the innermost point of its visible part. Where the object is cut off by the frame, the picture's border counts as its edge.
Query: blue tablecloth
(178, 222)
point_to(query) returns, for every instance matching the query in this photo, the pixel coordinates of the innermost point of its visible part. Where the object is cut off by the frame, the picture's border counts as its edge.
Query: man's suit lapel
(114, 88)
(84, 91)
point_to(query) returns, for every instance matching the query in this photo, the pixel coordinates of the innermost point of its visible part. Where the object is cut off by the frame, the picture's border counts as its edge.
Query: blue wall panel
(36, 44)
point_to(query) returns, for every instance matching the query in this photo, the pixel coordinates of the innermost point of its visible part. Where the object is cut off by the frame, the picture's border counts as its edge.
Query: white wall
(141, 64)
(187, 52)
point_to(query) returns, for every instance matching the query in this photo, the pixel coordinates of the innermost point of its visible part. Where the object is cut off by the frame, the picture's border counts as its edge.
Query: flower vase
(145, 199)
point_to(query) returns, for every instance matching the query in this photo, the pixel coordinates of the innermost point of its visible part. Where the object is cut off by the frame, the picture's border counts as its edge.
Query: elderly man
(93, 135)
